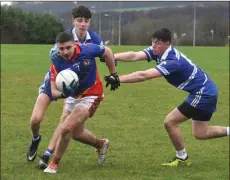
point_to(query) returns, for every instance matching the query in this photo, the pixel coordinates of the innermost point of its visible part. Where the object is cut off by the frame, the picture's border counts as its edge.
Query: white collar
(164, 56)
(76, 38)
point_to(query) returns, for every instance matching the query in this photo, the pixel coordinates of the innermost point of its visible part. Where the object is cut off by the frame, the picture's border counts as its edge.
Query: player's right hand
(112, 80)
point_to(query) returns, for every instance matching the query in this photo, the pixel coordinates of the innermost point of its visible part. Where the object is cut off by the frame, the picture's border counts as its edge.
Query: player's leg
(101, 145)
(202, 131)
(73, 121)
(204, 108)
(87, 137)
(43, 101)
(171, 123)
(40, 107)
(43, 163)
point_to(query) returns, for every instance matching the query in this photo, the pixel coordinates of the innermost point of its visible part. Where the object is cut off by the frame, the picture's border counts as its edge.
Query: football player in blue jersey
(85, 98)
(182, 73)
(81, 17)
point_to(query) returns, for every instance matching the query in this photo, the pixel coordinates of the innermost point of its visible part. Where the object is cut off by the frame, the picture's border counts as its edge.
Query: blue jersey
(83, 63)
(91, 37)
(181, 72)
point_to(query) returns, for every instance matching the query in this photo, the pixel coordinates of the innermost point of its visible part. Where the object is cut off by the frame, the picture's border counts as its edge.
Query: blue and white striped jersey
(181, 72)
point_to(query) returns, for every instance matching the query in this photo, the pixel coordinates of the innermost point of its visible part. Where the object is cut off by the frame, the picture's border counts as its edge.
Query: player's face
(67, 49)
(81, 24)
(159, 47)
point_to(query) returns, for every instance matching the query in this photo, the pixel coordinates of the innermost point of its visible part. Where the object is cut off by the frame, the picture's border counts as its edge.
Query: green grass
(131, 117)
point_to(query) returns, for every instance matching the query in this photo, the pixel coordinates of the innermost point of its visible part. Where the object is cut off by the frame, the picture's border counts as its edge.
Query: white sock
(227, 128)
(181, 154)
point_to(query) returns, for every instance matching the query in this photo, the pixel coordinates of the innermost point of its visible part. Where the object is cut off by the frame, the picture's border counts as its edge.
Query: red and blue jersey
(84, 64)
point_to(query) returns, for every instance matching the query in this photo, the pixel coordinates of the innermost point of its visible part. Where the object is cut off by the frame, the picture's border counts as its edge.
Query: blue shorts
(45, 87)
(204, 101)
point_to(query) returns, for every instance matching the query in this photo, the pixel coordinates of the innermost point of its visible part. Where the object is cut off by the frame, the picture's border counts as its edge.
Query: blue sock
(48, 153)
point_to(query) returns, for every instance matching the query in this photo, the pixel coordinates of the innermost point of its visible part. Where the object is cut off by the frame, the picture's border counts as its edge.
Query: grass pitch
(131, 117)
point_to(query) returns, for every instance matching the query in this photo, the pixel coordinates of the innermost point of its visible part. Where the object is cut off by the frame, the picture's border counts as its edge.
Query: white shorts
(90, 102)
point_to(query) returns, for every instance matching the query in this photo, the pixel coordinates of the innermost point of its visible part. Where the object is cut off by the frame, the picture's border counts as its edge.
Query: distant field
(131, 117)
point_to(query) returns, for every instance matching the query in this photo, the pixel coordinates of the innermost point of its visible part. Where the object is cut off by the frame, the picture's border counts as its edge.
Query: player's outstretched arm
(140, 76)
(130, 56)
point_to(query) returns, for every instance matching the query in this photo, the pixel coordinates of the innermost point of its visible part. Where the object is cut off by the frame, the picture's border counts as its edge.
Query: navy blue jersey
(181, 72)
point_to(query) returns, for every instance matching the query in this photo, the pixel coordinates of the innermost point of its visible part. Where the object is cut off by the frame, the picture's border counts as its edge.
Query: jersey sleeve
(168, 66)
(149, 54)
(53, 72)
(54, 55)
(95, 50)
(54, 49)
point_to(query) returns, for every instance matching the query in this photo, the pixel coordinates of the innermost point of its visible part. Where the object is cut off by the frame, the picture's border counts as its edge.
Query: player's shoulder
(95, 38)
(171, 54)
(55, 57)
(93, 33)
(88, 47)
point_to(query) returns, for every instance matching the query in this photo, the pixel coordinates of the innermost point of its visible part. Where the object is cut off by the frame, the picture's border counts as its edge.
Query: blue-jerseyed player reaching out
(182, 73)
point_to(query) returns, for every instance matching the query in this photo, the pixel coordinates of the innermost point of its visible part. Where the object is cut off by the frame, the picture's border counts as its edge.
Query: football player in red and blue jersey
(182, 73)
(86, 96)
(81, 17)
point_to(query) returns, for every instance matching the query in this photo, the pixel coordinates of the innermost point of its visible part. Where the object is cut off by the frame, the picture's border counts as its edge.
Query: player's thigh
(199, 127)
(81, 110)
(175, 117)
(41, 105)
(89, 102)
(78, 116)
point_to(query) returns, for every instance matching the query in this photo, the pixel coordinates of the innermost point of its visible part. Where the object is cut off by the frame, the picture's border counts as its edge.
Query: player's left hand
(68, 90)
(112, 80)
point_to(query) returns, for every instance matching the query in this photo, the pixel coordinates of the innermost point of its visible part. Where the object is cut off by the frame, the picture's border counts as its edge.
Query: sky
(6, 2)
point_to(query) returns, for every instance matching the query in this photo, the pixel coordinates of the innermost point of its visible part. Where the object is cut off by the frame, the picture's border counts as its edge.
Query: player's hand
(68, 90)
(103, 59)
(112, 80)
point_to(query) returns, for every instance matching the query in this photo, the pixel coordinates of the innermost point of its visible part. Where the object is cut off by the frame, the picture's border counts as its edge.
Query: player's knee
(168, 122)
(65, 130)
(36, 120)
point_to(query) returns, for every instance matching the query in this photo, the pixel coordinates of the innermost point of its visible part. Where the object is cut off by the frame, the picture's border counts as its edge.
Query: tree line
(136, 26)
(18, 27)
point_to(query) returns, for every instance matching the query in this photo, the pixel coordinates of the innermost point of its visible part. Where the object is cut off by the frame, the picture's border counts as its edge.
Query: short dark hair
(63, 37)
(162, 34)
(81, 11)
